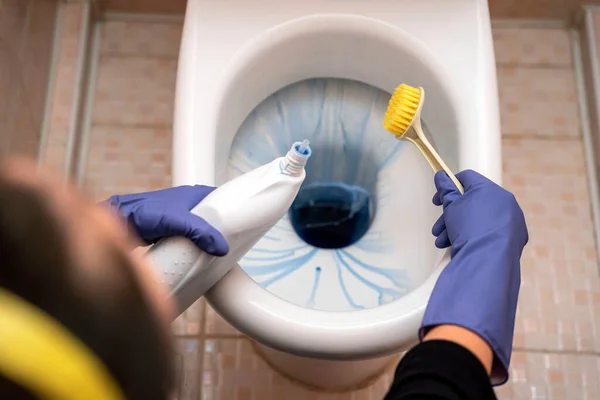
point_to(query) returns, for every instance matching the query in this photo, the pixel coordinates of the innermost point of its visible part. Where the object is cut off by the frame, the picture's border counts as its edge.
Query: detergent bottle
(243, 210)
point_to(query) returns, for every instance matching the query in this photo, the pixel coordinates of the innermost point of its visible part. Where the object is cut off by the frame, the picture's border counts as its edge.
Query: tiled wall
(130, 134)
(558, 329)
(551, 9)
(64, 100)
(26, 36)
(558, 319)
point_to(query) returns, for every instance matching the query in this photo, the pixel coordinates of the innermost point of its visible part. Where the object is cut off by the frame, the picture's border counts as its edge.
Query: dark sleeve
(440, 370)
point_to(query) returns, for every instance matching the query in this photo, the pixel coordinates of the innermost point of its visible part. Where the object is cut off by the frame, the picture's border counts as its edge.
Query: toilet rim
(276, 323)
(333, 335)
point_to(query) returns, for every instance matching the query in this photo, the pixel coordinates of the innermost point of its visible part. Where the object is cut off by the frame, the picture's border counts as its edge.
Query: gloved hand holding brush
(479, 288)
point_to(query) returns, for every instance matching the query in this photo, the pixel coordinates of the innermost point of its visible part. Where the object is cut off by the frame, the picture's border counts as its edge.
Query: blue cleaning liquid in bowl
(331, 215)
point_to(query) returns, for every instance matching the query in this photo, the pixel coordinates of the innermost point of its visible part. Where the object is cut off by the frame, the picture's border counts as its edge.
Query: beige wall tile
(135, 91)
(4, 138)
(144, 39)
(25, 131)
(36, 55)
(232, 370)
(24, 25)
(538, 102)
(191, 322)
(552, 376)
(63, 95)
(217, 326)
(9, 82)
(532, 46)
(122, 160)
(142, 6)
(13, 18)
(54, 155)
(559, 265)
(188, 363)
(563, 10)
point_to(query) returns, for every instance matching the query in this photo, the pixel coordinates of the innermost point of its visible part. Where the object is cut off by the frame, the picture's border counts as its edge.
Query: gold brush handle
(433, 157)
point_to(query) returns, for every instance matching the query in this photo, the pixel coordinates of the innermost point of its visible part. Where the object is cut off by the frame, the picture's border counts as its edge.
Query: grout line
(200, 335)
(49, 103)
(515, 349)
(533, 136)
(508, 65)
(144, 18)
(116, 54)
(201, 350)
(228, 336)
(515, 23)
(79, 82)
(585, 116)
(202, 339)
(131, 125)
(590, 353)
(86, 126)
(204, 317)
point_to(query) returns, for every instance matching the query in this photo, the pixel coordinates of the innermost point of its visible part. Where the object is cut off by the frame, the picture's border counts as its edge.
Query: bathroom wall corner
(587, 72)
(26, 28)
(63, 108)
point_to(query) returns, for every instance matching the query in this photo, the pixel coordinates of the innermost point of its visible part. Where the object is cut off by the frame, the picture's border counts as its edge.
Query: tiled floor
(557, 336)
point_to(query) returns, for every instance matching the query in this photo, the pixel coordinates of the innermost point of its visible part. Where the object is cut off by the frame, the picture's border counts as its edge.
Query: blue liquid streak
(275, 239)
(380, 290)
(393, 275)
(311, 301)
(288, 266)
(343, 285)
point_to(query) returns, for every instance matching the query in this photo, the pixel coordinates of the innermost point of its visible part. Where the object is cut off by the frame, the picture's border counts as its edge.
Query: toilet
(337, 289)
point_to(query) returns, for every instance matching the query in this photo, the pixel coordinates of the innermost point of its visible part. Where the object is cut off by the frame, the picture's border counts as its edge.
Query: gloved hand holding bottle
(165, 213)
(479, 288)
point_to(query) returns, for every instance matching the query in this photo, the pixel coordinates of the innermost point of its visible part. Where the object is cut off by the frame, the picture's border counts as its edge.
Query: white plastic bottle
(243, 210)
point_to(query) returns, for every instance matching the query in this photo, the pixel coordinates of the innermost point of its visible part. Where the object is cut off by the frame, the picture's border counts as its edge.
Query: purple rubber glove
(166, 213)
(479, 288)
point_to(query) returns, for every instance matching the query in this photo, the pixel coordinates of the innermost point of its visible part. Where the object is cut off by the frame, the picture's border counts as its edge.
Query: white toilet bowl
(252, 82)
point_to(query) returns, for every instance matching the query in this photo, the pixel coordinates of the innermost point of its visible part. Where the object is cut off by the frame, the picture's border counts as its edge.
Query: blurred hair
(116, 322)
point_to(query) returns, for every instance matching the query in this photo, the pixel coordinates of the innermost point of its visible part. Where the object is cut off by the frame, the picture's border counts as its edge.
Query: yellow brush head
(402, 109)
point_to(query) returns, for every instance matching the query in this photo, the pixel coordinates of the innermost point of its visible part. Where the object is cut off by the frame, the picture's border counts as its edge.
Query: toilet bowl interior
(359, 233)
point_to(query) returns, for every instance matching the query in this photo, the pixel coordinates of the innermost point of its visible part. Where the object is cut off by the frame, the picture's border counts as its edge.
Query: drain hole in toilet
(331, 215)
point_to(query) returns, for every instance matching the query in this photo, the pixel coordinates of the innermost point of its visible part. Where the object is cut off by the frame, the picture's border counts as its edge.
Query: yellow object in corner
(43, 357)
(403, 120)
